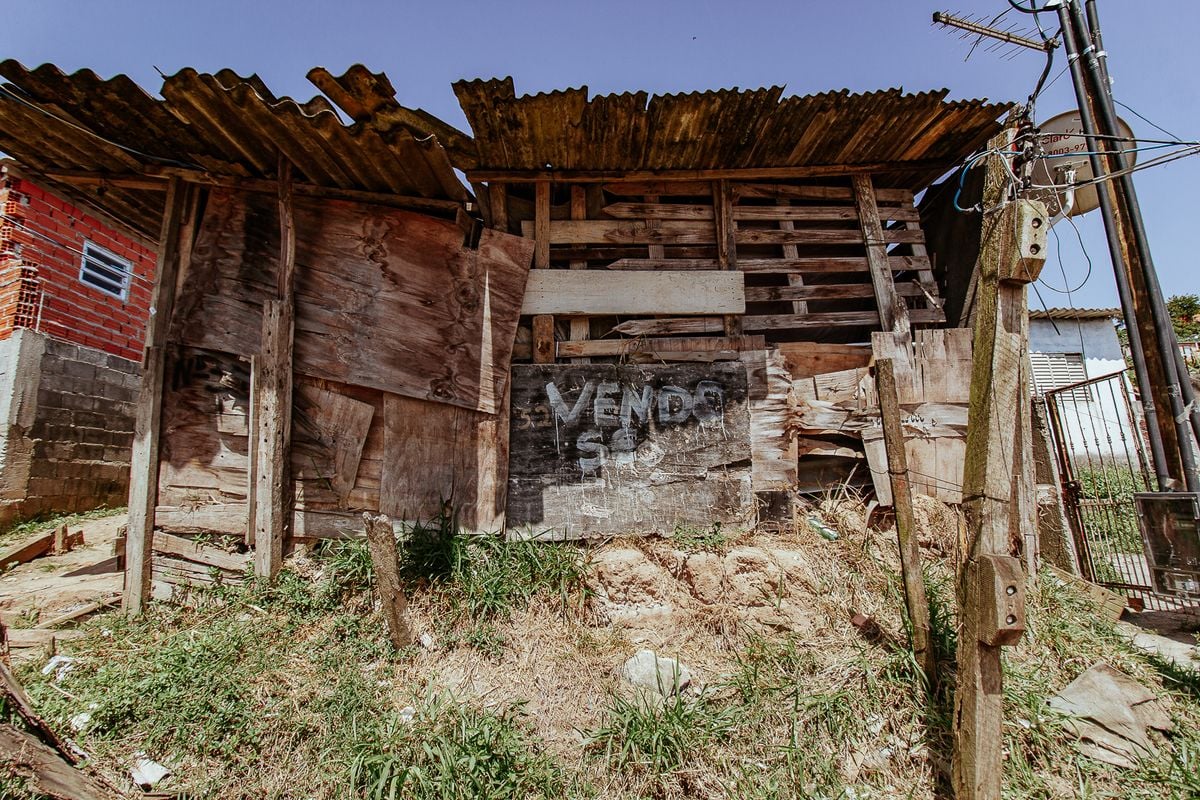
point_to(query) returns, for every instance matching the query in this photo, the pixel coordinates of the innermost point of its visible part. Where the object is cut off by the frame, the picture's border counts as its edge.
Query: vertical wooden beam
(726, 241)
(992, 489)
(906, 521)
(543, 339)
(498, 200)
(143, 462)
(541, 225)
(273, 403)
(581, 327)
(893, 314)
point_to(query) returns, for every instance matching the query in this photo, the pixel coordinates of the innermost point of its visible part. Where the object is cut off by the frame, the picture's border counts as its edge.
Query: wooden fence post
(906, 523)
(381, 541)
(143, 461)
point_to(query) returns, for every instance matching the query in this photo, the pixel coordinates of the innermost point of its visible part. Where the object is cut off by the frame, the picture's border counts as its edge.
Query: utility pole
(1163, 385)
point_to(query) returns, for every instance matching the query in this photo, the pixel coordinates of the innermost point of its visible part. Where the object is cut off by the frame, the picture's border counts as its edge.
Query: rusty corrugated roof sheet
(224, 124)
(1075, 313)
(726, 129)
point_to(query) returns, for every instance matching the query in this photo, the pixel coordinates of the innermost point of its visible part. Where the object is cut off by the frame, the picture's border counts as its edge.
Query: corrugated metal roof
(224, 124)
(1075, 313)
(726, 129)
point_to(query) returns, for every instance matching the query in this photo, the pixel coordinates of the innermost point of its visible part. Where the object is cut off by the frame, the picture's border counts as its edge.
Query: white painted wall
(1098, 426)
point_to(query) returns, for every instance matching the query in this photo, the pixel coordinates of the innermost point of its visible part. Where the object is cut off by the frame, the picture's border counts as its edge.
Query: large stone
(648, 670)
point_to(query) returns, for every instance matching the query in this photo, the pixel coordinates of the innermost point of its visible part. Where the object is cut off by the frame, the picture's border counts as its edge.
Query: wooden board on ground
(557, 291)
(605, 449)
(386, 299)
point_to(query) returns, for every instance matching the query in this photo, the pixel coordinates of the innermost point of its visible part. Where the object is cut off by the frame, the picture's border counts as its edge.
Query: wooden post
(726, 235)
(581, 327)
(143, 461)
(991, 586)
(893, 314)
(381, 541)
(273, 401)
(543, 339)
(906, 523)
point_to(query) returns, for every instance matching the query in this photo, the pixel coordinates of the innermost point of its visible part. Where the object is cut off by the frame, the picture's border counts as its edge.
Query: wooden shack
(670, 300)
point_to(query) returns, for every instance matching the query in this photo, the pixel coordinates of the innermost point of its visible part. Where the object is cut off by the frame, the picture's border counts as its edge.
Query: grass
(290, 689)
(693, 539)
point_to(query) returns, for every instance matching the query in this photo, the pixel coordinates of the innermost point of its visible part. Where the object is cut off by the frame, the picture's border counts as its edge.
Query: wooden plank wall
(403, 340)
(817, 263)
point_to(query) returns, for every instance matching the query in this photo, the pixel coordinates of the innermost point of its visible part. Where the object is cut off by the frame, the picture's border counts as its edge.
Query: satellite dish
(1062, 140)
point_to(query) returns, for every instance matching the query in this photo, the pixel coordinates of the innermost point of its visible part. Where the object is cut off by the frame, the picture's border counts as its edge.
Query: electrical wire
(1142, 118)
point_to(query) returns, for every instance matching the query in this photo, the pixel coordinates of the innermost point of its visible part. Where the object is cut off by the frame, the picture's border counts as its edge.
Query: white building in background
(1070, 345)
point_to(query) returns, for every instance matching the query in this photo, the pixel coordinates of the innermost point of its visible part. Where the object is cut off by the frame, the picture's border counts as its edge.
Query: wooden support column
(143, 461)
(381, 543)
(273, 398)
(726, 236)
(543, 324)
(991, 585)
(906, 521)
(893, 314)
(581, 327)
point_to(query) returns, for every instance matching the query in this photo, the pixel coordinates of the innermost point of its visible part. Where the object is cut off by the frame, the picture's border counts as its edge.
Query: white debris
(407, 715)
(427, 641)
(663, 675)
(80, 721)
(147, 773)
(60, 666)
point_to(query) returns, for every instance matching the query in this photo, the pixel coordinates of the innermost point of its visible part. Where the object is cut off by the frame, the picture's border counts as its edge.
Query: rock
(1179, 653)
(146, 774)
(1111, 713)
(648, 670)
(625, 575)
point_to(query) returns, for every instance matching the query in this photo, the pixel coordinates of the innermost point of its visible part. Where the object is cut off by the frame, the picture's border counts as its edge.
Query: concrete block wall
(68, 410)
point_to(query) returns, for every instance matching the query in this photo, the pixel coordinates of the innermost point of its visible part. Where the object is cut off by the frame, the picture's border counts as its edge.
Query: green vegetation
(290, 689)
(692, 539)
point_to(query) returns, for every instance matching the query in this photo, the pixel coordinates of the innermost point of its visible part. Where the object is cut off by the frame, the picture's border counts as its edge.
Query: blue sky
(663, 46)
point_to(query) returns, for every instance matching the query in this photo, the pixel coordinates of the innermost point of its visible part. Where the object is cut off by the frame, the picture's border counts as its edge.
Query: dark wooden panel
(385, 299)
(606, 449)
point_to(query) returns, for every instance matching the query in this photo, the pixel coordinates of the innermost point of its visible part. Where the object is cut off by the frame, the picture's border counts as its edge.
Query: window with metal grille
(105, 271)
(1055, 370)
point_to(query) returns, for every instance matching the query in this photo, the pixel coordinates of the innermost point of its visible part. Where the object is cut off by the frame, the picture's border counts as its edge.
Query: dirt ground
(41, 588)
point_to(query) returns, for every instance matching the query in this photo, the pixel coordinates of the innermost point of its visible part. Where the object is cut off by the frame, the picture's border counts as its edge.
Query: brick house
(74, 299)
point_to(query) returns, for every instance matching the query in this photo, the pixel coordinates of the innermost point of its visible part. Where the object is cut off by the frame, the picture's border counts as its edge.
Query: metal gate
(1100, 445)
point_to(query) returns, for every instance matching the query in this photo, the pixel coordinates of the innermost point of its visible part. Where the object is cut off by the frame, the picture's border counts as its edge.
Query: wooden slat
(680, 232)
(698, 211)
(580, 326)
(198, 552)
(539, 228)
(725, 229)
(783, 190)
(893, 313)
(661, 347)
(824, 291)
(668, 188)
(805, 359)
(663, 263)
(671, 326)
(825, 264)
(732, 174)
(143, 462)
(600, 292)
(831, 319)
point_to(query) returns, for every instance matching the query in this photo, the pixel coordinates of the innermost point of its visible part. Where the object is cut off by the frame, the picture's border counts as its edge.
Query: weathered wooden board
(440, 458)
(606, 449)
(330, 432)
(385, 298)
(558, 291)
(772, 441)
(806, 359)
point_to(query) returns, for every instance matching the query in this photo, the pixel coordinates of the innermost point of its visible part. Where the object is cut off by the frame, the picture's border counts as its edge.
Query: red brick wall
(41, 250)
